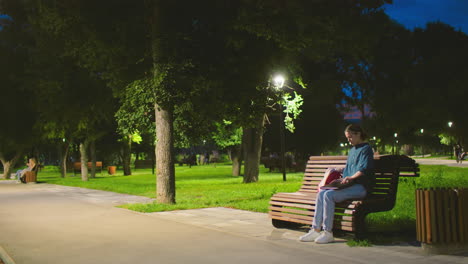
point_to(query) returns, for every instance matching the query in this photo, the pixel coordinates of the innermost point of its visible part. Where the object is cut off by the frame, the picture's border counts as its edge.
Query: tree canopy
(176, 71)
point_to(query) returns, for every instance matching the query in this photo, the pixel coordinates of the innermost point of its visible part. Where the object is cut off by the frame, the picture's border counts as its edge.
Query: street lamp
(374, 145)
(395, 141)
(450, 124)
(422, 143)
(278, 81)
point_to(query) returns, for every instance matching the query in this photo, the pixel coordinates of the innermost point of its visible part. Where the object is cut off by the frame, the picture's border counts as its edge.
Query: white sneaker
(309, 237)
(324, 238)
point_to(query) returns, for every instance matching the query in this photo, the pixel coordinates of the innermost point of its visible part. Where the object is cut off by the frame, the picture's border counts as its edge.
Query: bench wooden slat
(313, 177)
(308, 191)
(312, 189)
(290, 219)
(316, 171)
(315, 158)
(30, 176)
(295, 216)
(289, 210)
(291, 199)
(328, 162)
(325, 166)
(303, 206)
(296, 194)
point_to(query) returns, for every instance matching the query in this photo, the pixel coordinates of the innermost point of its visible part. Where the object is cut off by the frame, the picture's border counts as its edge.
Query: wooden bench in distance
(77, 167)
(31, 176)
(296, 209)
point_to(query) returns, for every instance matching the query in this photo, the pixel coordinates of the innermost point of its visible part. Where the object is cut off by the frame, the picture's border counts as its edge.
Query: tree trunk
(92, 149)
(8, 165)
(63, 159)
(6, 169)
(362, 109)
(252, 140)
(126, 157)
(165, 171)
(236, 153)
(84, 160)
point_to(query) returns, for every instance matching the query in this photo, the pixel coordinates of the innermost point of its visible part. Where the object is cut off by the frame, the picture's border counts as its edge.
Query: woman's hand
(346, 180)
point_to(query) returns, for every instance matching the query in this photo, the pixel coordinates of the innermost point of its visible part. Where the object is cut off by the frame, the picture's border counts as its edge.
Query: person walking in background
(357, 172)
(457, 151)
(461, 154)
(207, 158)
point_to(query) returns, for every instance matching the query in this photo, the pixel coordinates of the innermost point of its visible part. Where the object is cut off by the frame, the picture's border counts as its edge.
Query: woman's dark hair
(355, 128)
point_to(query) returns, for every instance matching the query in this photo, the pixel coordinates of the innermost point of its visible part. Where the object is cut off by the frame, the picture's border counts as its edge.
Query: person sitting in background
(20, 174)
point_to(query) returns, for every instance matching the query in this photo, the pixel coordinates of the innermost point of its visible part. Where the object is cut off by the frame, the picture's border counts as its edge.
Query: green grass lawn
(209, 186)
(402, 219)
(196, 187)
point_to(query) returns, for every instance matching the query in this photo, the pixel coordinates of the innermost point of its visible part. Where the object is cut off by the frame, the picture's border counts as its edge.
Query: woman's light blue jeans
(325, 204)
(18, 174)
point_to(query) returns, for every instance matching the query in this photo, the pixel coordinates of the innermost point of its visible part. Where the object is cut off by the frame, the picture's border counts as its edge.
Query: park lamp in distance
(450, 123)
(278, 81)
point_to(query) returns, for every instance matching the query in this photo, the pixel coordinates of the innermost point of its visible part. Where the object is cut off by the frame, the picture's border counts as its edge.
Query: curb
(5, 257)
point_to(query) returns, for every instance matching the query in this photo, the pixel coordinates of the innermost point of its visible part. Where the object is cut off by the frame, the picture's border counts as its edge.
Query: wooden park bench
(296, 209)
(77, 167)
(31, 176)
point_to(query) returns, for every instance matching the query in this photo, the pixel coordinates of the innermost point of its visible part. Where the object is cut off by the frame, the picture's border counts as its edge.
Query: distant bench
(295, 209)
(77, 167)
(31, 176)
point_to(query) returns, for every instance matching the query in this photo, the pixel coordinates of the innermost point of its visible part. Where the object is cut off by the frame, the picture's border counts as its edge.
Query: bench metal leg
(360, 225)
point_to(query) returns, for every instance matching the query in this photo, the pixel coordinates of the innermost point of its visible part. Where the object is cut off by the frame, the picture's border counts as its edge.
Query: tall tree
(16, 134)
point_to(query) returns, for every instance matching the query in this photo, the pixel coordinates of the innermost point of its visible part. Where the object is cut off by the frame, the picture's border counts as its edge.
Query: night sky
(416, 13)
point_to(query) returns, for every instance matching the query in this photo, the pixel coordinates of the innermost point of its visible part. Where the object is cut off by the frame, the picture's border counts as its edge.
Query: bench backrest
(387, 170)
(315, 170)
(36, 168)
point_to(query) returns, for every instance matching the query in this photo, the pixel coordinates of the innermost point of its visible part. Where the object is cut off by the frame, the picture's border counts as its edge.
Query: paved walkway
(43, 223)
(451, 163)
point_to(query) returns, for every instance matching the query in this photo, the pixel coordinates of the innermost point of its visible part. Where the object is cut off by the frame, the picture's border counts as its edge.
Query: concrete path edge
(5, 257)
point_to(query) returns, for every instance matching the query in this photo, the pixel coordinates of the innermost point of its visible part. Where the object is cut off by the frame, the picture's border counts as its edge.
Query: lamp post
(278, 81)
(395, 142)
(450, 124)
(422, 142)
